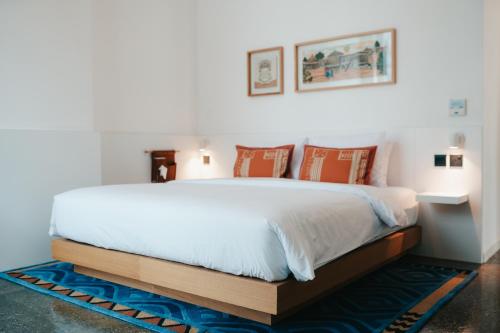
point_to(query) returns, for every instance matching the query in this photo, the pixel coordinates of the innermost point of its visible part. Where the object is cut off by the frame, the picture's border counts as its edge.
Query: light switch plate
(457, 107)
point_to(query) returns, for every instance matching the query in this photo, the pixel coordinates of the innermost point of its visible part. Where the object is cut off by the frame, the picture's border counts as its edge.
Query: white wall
(46, 119)
(45, 65)
(36, 165)
(144, 67)
(431, 58)
(491, 230)
(433, 66)
(450, 232)
(124, 160)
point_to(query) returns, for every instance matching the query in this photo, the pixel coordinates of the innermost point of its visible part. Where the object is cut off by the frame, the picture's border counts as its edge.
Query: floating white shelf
(443, 198)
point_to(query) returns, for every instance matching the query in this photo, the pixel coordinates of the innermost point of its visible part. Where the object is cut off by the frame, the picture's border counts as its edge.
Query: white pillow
(298, 155)
(378, 175)
(380, 166)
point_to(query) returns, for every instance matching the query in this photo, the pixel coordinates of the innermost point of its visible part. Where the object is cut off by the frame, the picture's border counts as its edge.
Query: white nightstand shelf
(443, 198)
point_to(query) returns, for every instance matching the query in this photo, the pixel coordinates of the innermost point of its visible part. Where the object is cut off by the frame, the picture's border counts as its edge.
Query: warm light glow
(204, 153)
(457, 141)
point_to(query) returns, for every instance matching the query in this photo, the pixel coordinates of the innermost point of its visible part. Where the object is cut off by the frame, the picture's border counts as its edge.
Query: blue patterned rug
(399, 297)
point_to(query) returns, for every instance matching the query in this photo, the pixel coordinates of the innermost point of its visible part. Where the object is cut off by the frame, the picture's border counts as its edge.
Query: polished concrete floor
(475, 309)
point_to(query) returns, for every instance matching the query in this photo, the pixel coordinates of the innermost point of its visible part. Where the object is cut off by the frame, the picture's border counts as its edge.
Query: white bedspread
(263, 228)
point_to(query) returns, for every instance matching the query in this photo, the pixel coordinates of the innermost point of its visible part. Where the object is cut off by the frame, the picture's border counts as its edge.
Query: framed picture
(348, 61)
(265, 71)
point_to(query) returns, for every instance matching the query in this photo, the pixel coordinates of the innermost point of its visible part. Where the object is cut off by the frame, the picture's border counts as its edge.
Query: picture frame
(265, 72)
(356, 60)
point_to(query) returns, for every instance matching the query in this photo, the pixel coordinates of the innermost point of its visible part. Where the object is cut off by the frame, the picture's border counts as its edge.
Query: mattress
(258, 227)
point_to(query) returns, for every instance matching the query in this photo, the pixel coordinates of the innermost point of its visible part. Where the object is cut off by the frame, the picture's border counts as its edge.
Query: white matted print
(355, 60)
(265, 71)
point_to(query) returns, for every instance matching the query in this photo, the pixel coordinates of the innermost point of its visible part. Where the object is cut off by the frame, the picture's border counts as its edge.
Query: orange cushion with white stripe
(337, 165)
(263, 162)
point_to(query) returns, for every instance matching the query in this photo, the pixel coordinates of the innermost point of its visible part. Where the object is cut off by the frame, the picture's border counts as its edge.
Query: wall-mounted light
(457, 141)
(204, 153)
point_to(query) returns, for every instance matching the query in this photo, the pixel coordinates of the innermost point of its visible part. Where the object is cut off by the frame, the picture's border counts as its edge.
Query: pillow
(378, 175)
(263, 162)
(337, 165)
(298, 155)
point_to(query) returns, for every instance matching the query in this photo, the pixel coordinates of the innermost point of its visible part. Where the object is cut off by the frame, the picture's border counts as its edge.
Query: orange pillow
(263, 162)
(337, 165)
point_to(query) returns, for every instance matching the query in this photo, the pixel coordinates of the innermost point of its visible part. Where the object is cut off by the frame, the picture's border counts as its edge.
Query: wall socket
(439, 160)
(457, 107)
(456, 161)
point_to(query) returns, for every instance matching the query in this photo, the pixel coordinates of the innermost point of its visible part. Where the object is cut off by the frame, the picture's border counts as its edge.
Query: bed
(258, 248)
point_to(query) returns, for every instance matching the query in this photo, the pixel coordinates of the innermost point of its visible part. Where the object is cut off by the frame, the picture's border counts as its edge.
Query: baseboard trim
(491, 251)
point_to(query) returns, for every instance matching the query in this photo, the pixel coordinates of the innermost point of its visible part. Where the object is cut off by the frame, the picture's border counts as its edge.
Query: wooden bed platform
(255, 299)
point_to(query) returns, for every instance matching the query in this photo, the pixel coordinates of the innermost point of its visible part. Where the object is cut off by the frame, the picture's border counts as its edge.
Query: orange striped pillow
(263, 162)
(337, 165)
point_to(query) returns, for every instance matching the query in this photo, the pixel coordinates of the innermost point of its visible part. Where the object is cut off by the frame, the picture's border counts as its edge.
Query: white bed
(264, 228)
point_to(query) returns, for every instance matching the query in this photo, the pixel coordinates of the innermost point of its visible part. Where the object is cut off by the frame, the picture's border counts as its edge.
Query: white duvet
(264, 228)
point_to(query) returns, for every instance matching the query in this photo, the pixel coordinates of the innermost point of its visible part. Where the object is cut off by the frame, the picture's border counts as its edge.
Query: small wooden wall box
(161, 159)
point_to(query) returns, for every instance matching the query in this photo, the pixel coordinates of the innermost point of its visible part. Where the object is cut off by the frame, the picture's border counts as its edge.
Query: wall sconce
(204, 152)
(457, 141)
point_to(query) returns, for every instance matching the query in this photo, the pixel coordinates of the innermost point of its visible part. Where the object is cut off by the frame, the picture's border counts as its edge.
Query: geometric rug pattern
(399, 297)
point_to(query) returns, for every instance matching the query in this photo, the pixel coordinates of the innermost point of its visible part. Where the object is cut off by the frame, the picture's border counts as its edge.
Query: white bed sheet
(260, 227)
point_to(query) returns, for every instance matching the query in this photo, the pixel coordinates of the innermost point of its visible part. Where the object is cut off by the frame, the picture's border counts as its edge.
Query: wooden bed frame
(251, 298)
